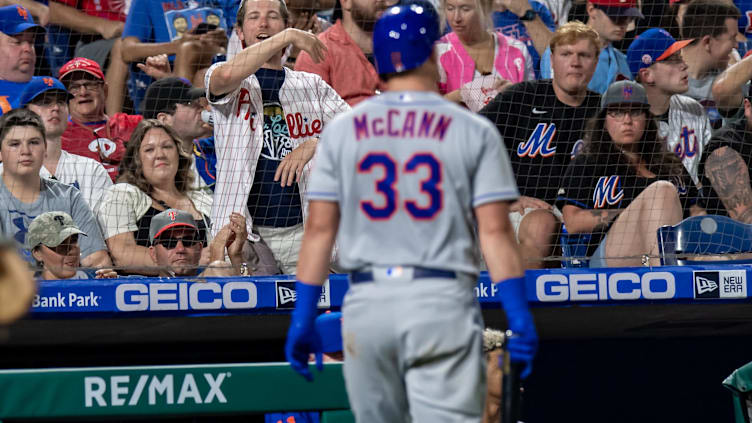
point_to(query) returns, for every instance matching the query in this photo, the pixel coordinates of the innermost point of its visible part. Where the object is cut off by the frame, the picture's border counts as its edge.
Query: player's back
(409, 167)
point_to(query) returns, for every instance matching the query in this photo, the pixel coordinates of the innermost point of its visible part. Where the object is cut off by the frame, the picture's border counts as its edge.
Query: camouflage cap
(51, 229)
(169, 219)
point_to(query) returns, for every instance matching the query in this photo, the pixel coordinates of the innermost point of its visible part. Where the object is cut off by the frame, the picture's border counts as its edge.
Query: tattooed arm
(588, 220)
(729, 176)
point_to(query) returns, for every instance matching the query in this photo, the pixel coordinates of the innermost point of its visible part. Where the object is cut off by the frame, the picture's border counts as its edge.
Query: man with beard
(348, 65)
(267, 120)
(18, 35)
(655, 60)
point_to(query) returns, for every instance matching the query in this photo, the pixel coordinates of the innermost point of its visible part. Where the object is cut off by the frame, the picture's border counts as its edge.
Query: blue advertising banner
(238, 295)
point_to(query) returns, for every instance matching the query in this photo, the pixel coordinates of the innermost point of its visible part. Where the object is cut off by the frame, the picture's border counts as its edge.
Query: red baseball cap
(618, 7)
(81, 64)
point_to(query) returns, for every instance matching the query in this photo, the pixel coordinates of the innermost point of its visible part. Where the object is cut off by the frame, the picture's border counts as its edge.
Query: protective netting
(214, 108)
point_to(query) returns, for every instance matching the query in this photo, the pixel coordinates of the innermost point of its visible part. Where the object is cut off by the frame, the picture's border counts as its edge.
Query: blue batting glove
(524, 344)
(302, 339)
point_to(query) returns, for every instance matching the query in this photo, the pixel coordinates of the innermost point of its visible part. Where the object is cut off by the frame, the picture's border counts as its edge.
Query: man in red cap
(610, 19)
(18, 35)
(91, 133)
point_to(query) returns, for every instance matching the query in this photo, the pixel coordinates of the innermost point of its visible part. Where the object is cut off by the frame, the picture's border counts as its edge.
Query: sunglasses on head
(171, 243)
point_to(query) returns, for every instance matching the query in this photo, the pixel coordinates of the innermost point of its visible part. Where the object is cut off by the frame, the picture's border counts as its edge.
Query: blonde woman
(476, 63)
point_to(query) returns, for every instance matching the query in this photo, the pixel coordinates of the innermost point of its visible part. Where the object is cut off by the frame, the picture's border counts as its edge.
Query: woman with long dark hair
(624, 184)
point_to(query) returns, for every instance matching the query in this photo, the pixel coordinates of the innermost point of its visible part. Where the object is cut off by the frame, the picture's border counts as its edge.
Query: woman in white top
(155, 175)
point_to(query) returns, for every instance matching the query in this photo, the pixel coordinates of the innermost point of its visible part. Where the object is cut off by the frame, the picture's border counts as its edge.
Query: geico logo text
(185, 296)
(603, 286)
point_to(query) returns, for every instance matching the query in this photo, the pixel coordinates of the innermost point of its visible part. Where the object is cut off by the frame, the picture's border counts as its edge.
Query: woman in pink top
(475, 63)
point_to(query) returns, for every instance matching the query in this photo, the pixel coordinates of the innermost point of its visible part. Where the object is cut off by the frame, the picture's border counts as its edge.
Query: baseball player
(267, 120)
(399, 178)
(542, 123)
(655, 60)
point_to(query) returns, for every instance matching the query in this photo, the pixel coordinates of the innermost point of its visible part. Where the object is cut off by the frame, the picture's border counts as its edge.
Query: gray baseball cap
(168, 219)
(51, 229)
(624, 92)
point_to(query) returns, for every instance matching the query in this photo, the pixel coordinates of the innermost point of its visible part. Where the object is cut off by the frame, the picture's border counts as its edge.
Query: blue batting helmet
(404, 36)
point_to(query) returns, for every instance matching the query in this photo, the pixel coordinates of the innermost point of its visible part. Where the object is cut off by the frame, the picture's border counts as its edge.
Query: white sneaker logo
(538, 112)
(705, 285)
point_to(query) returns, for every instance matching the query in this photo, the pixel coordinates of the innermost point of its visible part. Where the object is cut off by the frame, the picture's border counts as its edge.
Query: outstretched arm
(230, 74)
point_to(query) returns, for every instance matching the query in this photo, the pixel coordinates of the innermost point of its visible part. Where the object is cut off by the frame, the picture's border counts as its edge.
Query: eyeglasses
(171, 243)
(89, 85)
(622, 113)
(65, 247)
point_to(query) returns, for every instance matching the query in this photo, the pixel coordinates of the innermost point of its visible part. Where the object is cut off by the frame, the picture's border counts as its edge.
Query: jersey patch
(539, 142)
(607, 191)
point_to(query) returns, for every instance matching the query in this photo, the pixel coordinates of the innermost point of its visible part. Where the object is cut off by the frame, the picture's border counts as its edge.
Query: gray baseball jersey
(407, 169)
(15, 216)
(686, 132)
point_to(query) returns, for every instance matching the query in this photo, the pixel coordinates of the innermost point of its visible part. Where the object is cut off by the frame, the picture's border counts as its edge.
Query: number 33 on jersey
(407, 169)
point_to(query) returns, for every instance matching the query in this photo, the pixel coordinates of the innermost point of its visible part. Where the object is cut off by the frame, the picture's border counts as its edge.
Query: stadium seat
(574, 249)
(704, 235)
(740, 383)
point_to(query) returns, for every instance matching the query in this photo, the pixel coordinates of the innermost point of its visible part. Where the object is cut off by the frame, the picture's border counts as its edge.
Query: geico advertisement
(145, 389)
(185, 296)
(58, 297)
(617, 286)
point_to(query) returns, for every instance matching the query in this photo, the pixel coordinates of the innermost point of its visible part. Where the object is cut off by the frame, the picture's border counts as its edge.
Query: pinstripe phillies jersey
(307, 104)
(687, 131)
(407, 169)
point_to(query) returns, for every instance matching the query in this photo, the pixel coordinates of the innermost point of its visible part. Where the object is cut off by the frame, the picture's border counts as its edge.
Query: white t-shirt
(88, 175)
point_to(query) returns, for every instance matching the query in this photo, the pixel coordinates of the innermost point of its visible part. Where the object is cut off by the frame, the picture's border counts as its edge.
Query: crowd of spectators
(175, 138)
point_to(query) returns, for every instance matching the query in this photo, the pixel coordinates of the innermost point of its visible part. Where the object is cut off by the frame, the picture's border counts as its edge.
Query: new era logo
(704, 286)
(286, 295)
(720, 284)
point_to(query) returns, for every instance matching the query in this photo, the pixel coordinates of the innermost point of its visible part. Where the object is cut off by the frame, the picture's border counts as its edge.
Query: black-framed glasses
(76, 87)
(66, 246)
(171, 243)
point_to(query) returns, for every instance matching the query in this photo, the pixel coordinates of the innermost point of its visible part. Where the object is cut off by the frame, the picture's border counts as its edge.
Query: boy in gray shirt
(24, 195)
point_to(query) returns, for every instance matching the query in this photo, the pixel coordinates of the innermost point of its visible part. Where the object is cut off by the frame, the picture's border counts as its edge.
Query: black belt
(418, 273)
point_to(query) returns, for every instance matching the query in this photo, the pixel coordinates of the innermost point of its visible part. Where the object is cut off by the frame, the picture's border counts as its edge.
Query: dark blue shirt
(269, 203)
